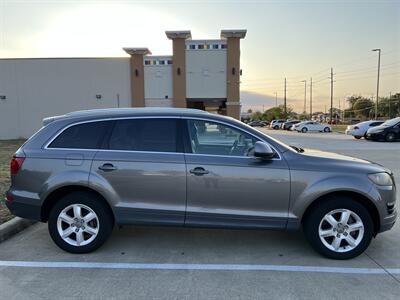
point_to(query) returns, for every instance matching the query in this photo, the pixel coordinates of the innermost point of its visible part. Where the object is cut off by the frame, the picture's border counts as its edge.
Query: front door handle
(199, 171)
(107, 167)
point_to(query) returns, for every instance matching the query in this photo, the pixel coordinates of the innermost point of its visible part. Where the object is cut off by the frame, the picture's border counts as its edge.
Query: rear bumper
(20, 207)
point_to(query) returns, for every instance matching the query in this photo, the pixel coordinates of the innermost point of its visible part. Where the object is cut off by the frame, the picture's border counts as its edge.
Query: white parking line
(210, 267)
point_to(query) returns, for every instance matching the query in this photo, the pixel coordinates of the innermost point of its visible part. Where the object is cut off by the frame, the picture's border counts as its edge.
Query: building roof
(233, 33)
(179, 34)
(132, 51)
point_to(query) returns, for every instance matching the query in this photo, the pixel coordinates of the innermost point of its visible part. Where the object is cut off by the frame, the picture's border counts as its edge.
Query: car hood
(328, 161)
(378, 128)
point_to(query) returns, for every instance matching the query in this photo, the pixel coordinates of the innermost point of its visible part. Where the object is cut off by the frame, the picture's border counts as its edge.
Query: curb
(12, 227)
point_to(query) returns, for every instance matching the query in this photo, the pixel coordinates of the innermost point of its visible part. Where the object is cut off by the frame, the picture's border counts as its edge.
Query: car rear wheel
(80, 222)
(327, 129)
(390, 137)
(339, 228)
(304, 129)
(366, 136)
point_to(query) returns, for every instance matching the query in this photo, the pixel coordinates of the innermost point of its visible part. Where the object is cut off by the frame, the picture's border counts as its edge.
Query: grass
(339, 128)
(7, 149)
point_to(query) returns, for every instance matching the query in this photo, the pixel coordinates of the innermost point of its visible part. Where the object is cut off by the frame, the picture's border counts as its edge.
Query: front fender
(306, 188)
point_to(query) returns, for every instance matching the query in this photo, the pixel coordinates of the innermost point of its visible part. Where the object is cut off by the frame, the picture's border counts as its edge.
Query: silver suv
(84, 171)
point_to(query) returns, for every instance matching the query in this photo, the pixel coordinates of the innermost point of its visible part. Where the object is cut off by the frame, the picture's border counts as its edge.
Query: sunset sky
(296, 39)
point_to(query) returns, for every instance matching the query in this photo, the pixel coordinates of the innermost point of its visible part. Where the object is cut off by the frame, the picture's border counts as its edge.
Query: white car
(276, 124)
(312, 126)
(360, 130)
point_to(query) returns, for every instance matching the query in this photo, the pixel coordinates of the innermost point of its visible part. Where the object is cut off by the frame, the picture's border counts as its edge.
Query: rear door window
(82, 136)
(154, 135)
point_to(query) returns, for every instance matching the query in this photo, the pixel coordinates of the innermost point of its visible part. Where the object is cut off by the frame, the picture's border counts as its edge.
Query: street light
(377, 82)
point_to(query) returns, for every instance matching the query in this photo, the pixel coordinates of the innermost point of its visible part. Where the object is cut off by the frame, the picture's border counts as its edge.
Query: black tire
(315, 216)
(357, 137)
(327, 129)
(390, 137)
(94, 202)
(276, 127)
(366, 136)
(304, 129)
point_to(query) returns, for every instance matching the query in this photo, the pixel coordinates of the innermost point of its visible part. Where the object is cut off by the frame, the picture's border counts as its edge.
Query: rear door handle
(198, 171)
(107, 167)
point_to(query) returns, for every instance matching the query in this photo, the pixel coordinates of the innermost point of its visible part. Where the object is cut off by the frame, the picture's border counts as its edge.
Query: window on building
(192, 47)
(223, 46)
(215, 46)
(81, 136)
(170, 62)
(147, 62)
(161, 62)
(200, 47)
(218, 139)
(158, 135)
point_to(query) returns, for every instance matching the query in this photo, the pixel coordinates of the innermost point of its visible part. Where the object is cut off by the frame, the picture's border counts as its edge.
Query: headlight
(381, 179)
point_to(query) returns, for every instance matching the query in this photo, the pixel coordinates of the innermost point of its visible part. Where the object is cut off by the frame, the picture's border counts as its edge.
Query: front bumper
(376, 135)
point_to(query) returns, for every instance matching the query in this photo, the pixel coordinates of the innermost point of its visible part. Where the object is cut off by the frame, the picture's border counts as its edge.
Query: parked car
(85, 171)
(288, 124)
(388, 131)
(257, 124)
(312, 126)
(275, 124)
(360, 130)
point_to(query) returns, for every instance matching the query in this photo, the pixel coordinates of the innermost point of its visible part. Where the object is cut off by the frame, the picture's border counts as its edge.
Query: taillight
(16, 164)
(356, 127)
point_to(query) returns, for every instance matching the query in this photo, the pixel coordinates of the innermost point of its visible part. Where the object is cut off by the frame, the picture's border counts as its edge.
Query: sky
(293, 39)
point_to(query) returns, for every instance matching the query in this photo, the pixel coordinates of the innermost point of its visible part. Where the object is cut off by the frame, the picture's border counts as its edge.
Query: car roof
(125, 112)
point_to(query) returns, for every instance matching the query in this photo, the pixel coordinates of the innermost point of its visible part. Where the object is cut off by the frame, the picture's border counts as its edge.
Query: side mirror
(263, 150)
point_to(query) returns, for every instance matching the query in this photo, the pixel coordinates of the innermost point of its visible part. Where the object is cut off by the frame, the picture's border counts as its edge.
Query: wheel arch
(53, 197)
(361, 199)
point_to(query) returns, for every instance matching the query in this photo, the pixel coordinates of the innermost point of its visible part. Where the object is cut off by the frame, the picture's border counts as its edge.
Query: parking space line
(209, 267)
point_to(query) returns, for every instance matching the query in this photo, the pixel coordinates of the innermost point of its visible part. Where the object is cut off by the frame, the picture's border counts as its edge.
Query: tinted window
(159, 135)
(81, 136)
(217, 139)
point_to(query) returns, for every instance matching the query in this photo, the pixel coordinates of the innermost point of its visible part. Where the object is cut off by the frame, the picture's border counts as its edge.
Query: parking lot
(156, 263)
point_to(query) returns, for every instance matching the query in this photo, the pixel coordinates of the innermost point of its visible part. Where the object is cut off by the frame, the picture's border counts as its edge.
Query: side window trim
(105, 139)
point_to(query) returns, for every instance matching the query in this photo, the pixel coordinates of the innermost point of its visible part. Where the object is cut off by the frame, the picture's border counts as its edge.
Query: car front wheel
(390, 137)
(80, 222)
(339, 228)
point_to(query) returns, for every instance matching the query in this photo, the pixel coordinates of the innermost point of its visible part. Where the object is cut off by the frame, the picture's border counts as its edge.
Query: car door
(226, 185)
(142, 168)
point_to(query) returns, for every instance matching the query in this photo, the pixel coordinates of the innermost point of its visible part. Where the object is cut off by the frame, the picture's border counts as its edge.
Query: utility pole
(331, 116)
(305, 97)
(311, 98)
(276, 99)
(284, 99)
(390, 100)
(377, 82)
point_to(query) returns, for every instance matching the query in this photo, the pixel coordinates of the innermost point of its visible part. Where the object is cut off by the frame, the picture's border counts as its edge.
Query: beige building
(203, 74)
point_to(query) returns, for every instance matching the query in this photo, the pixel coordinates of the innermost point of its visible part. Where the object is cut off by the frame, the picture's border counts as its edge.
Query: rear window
(157, 135)
(81, 136)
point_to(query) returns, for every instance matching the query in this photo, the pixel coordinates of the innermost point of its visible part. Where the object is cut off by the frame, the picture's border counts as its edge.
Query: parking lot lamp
(377, 82)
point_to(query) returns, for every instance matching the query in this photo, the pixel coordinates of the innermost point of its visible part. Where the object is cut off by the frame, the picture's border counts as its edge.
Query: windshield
(391, 122)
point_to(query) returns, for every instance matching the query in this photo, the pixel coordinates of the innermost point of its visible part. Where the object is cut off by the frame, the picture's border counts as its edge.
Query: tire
(366, 136)
(357, 137)
(390, 137)
(304, 130)
(315, 221)
(276, 127)
(327, 129)
(94, 232)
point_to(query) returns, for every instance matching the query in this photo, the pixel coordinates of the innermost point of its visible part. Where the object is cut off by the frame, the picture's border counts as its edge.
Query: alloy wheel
(341, 230)
(78, 225)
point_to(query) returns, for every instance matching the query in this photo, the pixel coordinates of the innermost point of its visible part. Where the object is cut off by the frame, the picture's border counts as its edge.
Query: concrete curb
(12, 227)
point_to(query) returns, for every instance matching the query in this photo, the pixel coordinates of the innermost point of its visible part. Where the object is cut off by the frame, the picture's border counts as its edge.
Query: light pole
(305, 96)
(377, 82)
(276, 99)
